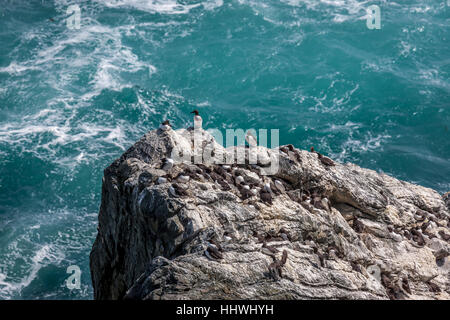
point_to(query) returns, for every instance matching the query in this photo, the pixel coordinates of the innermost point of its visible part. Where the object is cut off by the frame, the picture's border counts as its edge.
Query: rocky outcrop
(313, 230)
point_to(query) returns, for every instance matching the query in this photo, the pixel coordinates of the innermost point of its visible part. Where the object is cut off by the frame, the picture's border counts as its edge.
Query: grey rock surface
(321, 232)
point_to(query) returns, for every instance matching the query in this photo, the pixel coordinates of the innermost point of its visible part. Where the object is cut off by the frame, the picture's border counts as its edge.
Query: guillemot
(245, 192)
(168, 164)
(266, 197)
(165, 125)
(183, 178)
(180, 190)
(213, 252)
(267, 188)
(161, 180)
(325, 160)
(239, 180)
(227, 236)
(172, 191)
(275, 268)
(197, 120)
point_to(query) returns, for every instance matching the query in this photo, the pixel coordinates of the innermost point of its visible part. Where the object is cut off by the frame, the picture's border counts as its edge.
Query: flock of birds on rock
(263, 190)
(229, 177)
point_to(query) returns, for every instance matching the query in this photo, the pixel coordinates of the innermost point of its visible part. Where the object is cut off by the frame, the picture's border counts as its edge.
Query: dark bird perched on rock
(440, 257)
(270, 238)
(216, 243)
(405, 285)
(215, 176)
(167, 164)
(325, 160)
(213, 253)
(444, 236)
(307, 206)
(435, 220)
(317, 202)
(227, 236)
(223, 185)
(284, 149)
(207, 176)
(417, 237)
(355, 266)
(190, 173)
(204, 168)
(274, 189)
(429, 234)
(433, 287)
(392, 289)
(266, 197)
(322, 257)
(229, 178)
(269, 249)
(337, 250)
(214, 250)
(287, 148)
(220, 170)
(260, 238)
(165, 125)
(407, 234)
(266, 238)
(285, 234)
(295, 196)
(424, 226)
(275, 268)
(180, 191)
(245, 192)
(358, 226)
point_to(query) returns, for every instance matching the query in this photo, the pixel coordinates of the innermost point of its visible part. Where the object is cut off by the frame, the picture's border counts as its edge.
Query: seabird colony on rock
(261, 190)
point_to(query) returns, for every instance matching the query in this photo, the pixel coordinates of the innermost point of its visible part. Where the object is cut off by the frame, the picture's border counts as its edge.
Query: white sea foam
(17, 68)
(361, 145)
(159, 6)
(45, 255)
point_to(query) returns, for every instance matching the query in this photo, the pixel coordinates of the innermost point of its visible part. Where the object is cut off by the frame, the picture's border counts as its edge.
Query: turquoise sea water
(72, 100)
